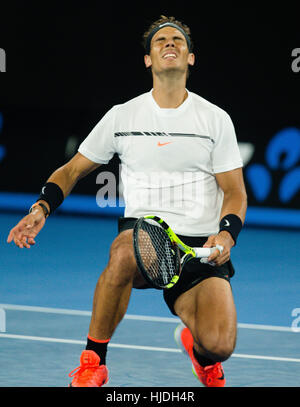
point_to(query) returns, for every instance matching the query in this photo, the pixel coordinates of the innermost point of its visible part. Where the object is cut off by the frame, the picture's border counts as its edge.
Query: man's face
(169, 52)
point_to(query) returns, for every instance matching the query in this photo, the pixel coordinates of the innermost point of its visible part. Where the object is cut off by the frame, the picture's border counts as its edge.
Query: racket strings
(157, 253)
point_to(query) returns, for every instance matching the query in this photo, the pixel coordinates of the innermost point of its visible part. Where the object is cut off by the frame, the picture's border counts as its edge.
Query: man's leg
(208, 310)
(110, 303)
(114, 287)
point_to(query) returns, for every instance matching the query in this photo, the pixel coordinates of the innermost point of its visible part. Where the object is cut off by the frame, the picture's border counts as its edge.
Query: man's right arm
(65, 177)
(69, 174)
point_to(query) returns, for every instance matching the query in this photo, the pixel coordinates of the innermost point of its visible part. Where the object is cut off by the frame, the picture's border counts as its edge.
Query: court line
(64, 311)
(138, 347)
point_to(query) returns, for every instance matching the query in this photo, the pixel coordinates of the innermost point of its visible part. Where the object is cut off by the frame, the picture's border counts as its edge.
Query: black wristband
(52, 194)
(232, 224)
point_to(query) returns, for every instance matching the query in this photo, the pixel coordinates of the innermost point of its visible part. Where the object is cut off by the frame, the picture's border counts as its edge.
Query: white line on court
(138, 347)
(63, 311)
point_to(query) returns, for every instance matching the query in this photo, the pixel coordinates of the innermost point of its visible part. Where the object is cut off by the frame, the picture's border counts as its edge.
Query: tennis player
(169, 140)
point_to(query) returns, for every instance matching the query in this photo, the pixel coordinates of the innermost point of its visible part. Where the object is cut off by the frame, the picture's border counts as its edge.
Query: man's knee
(121, 250)
(217, 345)
(122, 265)
(208, 311)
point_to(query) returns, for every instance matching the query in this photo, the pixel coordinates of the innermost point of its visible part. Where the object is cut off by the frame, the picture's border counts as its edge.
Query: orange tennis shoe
(89, 373)
(210, 376)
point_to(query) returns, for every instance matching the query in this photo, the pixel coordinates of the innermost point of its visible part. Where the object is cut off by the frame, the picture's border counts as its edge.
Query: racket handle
(204, 251)
(207, 251)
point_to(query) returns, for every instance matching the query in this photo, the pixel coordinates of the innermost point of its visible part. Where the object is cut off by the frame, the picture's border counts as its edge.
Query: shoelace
(81, 369)
(211, 372)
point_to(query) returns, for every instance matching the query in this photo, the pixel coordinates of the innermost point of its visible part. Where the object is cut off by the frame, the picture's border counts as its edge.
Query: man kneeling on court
(166, 131)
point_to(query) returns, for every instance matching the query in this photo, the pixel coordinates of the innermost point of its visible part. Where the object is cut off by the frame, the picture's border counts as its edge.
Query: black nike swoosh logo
(222, 377)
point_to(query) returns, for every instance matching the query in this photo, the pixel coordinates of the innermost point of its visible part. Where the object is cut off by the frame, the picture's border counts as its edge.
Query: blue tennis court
(46, 299)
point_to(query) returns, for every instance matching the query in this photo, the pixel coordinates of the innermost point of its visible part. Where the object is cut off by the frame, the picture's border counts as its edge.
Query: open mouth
(171, 55)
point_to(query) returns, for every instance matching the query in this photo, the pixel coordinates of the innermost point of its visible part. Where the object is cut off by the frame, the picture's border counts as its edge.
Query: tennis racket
(160, 254)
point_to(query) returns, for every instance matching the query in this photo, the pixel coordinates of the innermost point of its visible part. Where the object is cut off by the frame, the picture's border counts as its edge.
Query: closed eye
(175, 38)
(178, 38)
(160, 39)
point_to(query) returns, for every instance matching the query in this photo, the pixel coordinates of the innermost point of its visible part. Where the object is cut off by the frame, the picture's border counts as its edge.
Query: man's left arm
(234, 205)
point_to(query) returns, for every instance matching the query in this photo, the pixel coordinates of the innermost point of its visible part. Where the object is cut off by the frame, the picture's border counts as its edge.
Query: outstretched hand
(24, 233)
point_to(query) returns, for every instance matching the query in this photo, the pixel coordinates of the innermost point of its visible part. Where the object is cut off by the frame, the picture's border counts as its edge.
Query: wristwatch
(44, 207)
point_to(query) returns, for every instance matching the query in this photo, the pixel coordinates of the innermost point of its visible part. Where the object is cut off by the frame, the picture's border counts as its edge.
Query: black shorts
(193, 272)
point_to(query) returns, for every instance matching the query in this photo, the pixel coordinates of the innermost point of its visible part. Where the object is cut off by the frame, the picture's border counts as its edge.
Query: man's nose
(170, 43)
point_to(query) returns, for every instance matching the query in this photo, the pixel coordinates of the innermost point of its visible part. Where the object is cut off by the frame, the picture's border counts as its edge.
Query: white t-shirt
(169, 158)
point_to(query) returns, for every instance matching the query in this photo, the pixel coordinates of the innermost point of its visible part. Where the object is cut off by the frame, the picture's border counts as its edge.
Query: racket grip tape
(204, 251)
